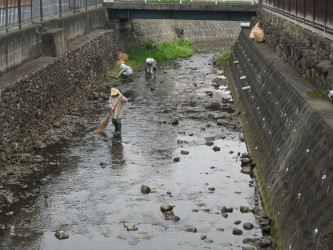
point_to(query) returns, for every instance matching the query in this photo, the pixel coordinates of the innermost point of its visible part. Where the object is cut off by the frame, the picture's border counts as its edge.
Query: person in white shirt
(125, 71)
(150, 65)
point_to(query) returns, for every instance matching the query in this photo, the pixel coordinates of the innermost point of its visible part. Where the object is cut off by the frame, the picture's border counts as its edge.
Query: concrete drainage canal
(179, 176)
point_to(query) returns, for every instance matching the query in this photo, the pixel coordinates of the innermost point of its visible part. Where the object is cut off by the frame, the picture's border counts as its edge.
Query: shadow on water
(95, 188)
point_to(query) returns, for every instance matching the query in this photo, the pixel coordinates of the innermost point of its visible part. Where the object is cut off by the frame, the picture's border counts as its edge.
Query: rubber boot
(118, 128)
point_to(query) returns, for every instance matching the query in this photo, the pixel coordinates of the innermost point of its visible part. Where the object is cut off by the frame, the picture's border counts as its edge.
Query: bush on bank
(177, 48)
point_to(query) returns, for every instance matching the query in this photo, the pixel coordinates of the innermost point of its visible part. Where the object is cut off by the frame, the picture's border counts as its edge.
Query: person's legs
(118, 126)
(115, 123)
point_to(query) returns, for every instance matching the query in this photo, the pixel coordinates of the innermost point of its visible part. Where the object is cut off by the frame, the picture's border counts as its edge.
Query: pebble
(61, 235)
(248, 226)
(191, 230)
(130, 227)
(183, 152)
(237, 231)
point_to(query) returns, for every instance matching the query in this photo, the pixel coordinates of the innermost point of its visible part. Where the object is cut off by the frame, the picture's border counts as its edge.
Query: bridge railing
(314, 15)
(15, 13)
(186, 1)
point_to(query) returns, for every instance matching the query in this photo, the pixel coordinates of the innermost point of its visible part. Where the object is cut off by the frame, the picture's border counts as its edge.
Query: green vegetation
(222, 58)
(316, 94)
(177, 48)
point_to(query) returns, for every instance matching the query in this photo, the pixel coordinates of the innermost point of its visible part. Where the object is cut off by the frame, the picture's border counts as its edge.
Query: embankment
(290, 136)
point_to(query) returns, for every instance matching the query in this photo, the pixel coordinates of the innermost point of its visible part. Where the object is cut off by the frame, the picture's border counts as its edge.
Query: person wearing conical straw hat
(125, 71)
(116, 105)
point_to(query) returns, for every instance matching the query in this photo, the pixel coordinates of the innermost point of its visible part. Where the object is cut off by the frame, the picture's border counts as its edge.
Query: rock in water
(130, 227)
(166, 208)
(145, 189)
(61, 235)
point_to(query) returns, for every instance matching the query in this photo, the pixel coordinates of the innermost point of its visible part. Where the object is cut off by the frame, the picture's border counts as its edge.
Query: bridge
(181, 10)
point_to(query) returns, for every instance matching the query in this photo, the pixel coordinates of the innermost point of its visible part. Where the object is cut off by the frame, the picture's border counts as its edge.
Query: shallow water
(96, 188)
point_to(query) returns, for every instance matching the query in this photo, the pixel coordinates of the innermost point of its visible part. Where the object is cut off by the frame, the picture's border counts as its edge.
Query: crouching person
(125, 71)
(116, 105)
(150, 65)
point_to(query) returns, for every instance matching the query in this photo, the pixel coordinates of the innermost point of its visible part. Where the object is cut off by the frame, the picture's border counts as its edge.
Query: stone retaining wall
(35, 102)
(309, 54)
(290, 136)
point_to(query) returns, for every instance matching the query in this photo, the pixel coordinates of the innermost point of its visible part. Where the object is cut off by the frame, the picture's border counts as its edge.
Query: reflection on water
(116, 151)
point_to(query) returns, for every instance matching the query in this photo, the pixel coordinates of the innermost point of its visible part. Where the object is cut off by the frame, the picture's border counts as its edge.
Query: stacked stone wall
(33, 104)
(311, 55)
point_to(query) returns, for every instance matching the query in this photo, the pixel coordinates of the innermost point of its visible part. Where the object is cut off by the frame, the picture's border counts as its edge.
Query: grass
(316, 94)
(177, 48)
(222, 58)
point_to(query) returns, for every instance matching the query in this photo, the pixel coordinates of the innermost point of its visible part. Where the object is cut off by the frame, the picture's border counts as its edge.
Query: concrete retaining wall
(205, 35)
(27, 44)
(290, 136)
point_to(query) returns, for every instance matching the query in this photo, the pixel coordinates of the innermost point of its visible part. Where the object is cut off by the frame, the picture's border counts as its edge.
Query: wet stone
(208, 241)
(183, 152)
(209, 143)
(191, 230)
(225, 215)
(130, 227)
(256, 210)
(41, 182)
(61, 235)
(245, 160)
(216, 148)
(169, 215)
(265, 242)
(174, 122)
(244, 209)
(145, 189)
(166, 208)
(176, 159)
(246, 170)
(203, 237)
(248, 226)
(237, 231)
(211, 189)
(102, 164)
(237, 222)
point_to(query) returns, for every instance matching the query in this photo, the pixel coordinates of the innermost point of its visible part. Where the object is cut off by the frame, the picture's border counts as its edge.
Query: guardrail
(15, 13)
(185, 1)
(316, 16)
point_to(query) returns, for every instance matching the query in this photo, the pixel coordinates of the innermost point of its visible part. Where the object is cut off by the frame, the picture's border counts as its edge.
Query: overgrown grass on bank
(222, 58)
(177, 48)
